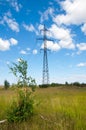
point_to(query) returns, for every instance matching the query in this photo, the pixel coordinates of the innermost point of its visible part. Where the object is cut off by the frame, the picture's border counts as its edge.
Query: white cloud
(35, 51)
(8, 14)
(12, 24)
(75, 12)
(63, 35)
(40, 27)
(83, 28)
(5, 44)
(46, 14)
(29, 27)
(81, 46)
(15, 5)
(23, 52)
(51, 46)
(81, 64)
(28, 49)
(67, 44)
(59, 32)
(13, 41)
(7, 62)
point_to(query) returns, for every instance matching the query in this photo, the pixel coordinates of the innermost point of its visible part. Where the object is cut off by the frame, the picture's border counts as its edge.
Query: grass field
(58, 108)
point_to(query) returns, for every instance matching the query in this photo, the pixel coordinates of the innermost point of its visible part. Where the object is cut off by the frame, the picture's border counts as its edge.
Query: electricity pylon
(45, 78)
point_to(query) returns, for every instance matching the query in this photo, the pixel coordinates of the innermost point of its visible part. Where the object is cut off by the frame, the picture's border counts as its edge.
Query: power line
(45, 76)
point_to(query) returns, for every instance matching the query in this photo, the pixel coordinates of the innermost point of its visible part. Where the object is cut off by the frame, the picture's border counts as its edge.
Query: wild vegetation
(21, 109)
(50, 107)
(74, 84)
(57, 108)
(6, 84)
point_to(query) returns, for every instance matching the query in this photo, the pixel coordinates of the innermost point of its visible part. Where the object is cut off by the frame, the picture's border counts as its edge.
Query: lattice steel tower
(45, 78)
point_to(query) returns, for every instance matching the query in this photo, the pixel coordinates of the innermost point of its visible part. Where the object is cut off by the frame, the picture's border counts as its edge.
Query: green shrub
(44, 85)
(22, 109)
(19, 70)
(6, 84)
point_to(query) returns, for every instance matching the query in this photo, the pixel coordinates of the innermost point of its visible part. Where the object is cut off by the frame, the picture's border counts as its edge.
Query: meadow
(55, 108)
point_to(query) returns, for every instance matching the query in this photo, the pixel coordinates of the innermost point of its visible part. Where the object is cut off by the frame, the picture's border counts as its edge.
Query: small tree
(22, 109)
(66, 83)
(77, 84)
(6, 84)
(20, 71)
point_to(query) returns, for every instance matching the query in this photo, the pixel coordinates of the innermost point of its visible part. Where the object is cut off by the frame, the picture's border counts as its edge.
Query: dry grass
(60, 108)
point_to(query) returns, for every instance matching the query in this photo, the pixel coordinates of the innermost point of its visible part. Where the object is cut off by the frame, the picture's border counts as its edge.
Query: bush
(77, 84)
(22, 109)
(6, 84)
(44, 85)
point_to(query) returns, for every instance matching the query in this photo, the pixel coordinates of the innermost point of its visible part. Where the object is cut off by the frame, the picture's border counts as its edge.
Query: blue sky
(20, 25)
